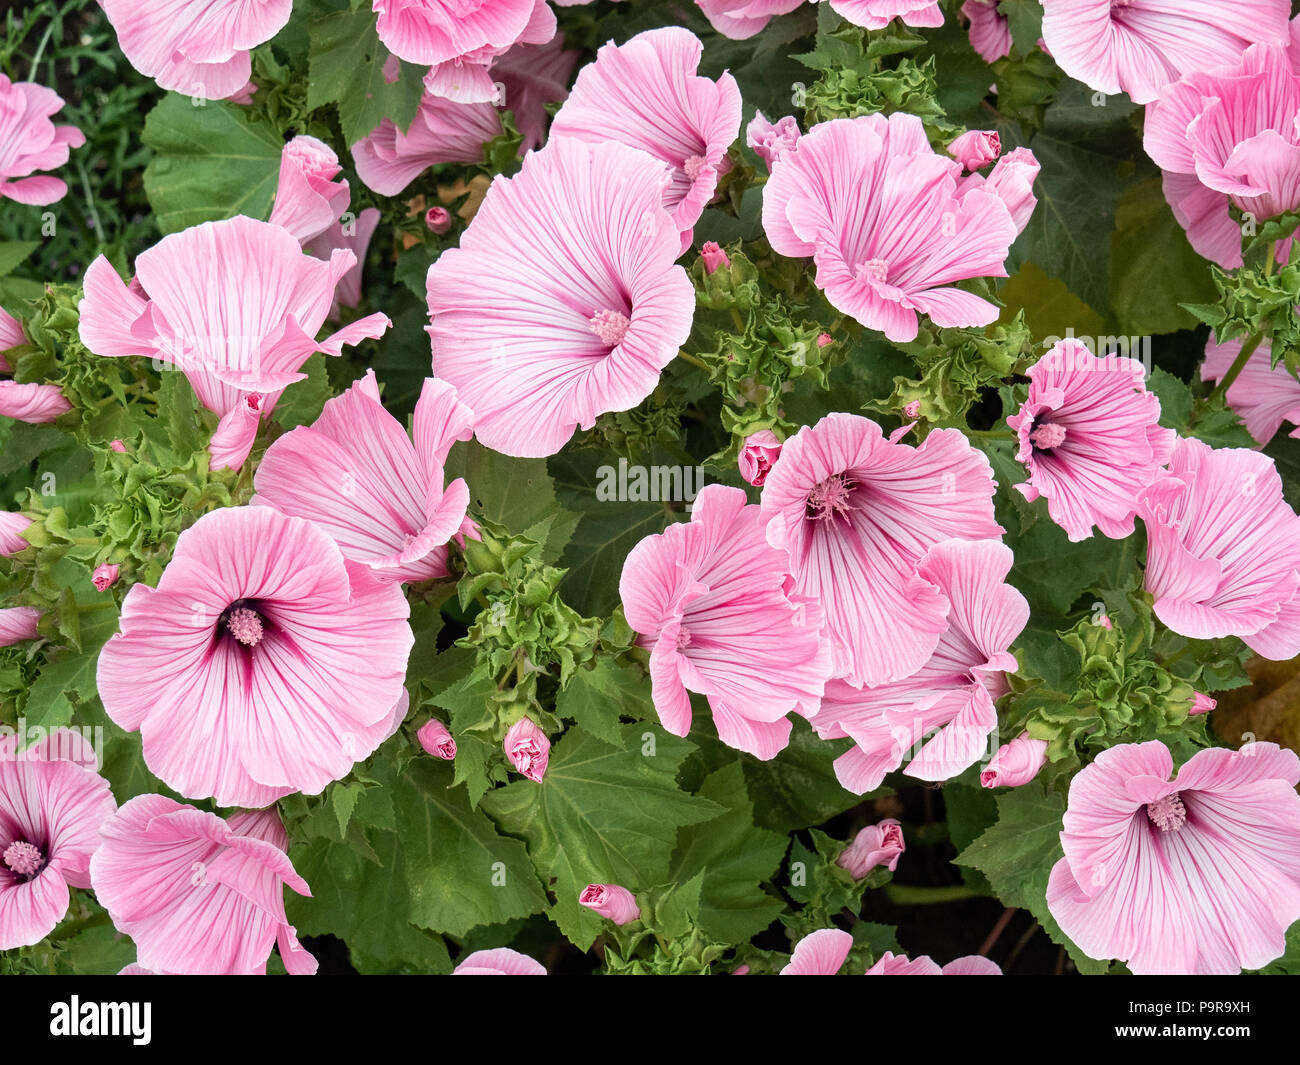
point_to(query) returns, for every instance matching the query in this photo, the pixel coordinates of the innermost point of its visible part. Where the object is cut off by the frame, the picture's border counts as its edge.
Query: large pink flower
(1226, 135)
(199, 894)
(1195, 874)
(646, 94)
(877, 14)
(1090, 437)
(1223, 549)
(888, 224)
(742, 19)
(194, 46)
(52, 804)
(710, 603)
(29, 142)
(358, 476)
(264, 663)
(443, 131)
(901, 965)
(499, 962)
(1264, 396)
(233, 304)
(990, 30)
(1140, 46)
(562, 301)
(857, 513)
(819, 953)
(950, 698)
(354, 236)
(308, 199)
(532, 76)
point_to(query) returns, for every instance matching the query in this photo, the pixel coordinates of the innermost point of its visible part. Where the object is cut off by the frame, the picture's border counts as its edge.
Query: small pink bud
(12, 525)
(879, 844)
(740, 970)
(913, 409)
(1201, 704)
(528, 748)
(612, 901)
(976, 148)
(104, 577)
(436, 740)
(713, 256)
(1015, 764)
(438, 219)
(825, 340)
(118, 446)
(758, 455)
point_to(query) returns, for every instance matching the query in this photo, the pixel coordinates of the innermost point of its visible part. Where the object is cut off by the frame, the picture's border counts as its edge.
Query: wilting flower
(235, 305)
(742, 19)
(436, 740)
(950, 698)
(758, 456)
(308, 199)
(1090, 437)
(713, 256)
(354, 237)
(438, 219)
(500, 962)
(1264, 396)
(532, 76)
(819, 953)
(1015, 764)
(879, 844)
(976, 148)
(543, 335)
(771, 142)
(12, 526)
(527, 748)
(52, 804)
(900, 965)
(611, 901)
(263, 663)
(1223, 549)
(1226, 135)
(887, 224)
(29, 142)
(702, 595)
(387, 159)
(105, 576)
(18, 623)
(877, 14)
(193, 48)
(1140, 46)
(358, 476)
(856, 513)
(990, 30)
(646, 94)
(1198, 873)
(199, 894)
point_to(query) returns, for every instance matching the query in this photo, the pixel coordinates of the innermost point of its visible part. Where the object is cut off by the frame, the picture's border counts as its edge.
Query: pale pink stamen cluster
(829, 498)
(23, 858)
(610, 326)
(1168, 814)
(877, 268)
(246, 626)
(1048, 436)
(694, 165)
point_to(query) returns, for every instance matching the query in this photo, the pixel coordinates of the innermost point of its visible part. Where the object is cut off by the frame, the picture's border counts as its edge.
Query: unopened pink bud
(438, 219)
(878, 844)
(105, 576)
(436, 740)
(12, 525)
(611, 901)
(758, 455)
(713, 256)
(527, 748)
(118, 446)
(1201, 704)
(913, 409)
(1015, 764)
(825, 340)
(976, 148)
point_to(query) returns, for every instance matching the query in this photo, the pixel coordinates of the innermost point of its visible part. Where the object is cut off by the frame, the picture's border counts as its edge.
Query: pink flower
(197, 893)
(52, 804)
(694, 122)
(976, 148)
(1090, 437)
(29, 142)
(703, 595)
(12, 525)
(532, 76)
(438, 219)
(18, 623)
(117, 446)
(879, 844)
(877, 14)
(758, 456)
(713, 256)
(1263, 396)
(742, 19)
(857, 513)
(1225, 135)
(1196, 874)
(33, 403)
(262, 664)
(990, 30)
(1015, 764)
(887, 225)
(1012, 181)
(197, 49)
(308, 200)
(233, 304)
(1223, 549)
(500, 962)
(1140, 46)
(387, 160)
(771, 142)
(819, 953)
(358, 476)
(354, 236)
(950, 698)
(900, 965)
(1201, 704)
(12, 336)
(105, 576)
(542, 335)
(436, 740)
(527, 748)
(612, 902)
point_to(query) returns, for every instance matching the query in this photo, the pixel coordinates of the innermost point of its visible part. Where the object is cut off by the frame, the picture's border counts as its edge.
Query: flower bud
(772, 140)
(436, 740)
(758, 456)
(12, 525)
(1015, 764)
(308, 199)
(612, 901)
(105, 576)
(18, 623)
(1201, 704)
(976, 148)
(438, 219)
(117, 446)
(527, 748)
(879, 844)
(713, 256)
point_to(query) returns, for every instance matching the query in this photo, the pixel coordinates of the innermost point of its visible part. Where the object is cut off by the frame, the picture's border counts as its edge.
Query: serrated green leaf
(595, 698)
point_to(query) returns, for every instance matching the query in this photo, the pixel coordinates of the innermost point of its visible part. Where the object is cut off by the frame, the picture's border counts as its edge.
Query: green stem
(1234, 371)
(918, 895)
(90, 202)
(735, 317)
(687, 357)
(40, 50)
(1271, 262)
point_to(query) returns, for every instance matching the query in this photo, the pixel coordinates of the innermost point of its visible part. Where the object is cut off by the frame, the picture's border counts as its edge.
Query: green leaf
(68, 676)
(970, 810)
(14, 252)
(1025, 18)
(1051, 309)
(210, 162)
(596, 697)
(602, 814)
(799, 787)
(303, 401)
